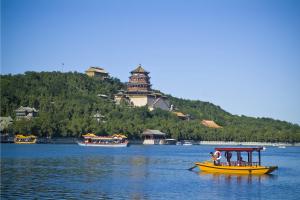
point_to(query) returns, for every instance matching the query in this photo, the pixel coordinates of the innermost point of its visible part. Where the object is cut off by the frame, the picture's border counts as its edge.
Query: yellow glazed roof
(119, 136)
(179, 114)
(96, 69)
(89, 135)
(23, 136)
(210, 124)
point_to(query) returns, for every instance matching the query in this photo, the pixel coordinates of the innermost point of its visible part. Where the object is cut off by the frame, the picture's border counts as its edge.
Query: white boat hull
(187, 144)
(102, 145)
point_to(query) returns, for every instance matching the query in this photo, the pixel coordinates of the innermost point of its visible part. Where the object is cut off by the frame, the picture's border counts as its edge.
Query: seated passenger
(241, 161)
(217, 156)
(228, 156)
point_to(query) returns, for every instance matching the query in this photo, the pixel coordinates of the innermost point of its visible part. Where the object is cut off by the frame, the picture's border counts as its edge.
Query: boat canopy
(119, 135)
(239, 149)
(23, 136)
(95, 137)
(89, 135)
(102, 138)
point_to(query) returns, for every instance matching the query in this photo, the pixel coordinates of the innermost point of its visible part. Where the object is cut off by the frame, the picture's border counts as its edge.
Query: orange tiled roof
(210, 124)
(179, 114)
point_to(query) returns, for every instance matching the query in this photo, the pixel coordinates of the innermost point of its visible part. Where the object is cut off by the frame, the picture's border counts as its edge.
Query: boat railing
(239, 163)
(103, 141)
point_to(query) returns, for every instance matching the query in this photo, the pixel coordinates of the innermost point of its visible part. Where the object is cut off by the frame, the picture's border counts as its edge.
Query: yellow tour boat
(235, 167)
(22, 139)
(116, 140)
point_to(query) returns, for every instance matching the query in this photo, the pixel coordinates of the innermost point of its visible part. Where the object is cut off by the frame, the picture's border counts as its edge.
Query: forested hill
(67, 102)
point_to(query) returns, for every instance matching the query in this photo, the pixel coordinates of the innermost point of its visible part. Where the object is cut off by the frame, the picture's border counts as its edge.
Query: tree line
(67, 103)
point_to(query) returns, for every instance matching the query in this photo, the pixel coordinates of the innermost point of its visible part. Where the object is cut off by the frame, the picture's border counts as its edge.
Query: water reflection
(235, 186)
(237, 178)
(133, 173)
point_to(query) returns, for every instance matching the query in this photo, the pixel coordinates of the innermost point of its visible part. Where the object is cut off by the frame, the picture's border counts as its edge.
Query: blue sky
(242, 55)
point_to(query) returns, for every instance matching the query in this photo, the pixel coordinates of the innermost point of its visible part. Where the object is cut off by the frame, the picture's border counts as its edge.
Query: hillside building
(97, 72)
(210, 124)
(26, 113)
(182, 116)
(139, 92)
(5, 122)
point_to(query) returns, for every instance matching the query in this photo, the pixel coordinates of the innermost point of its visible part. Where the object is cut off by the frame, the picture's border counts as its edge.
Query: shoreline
(73, 140)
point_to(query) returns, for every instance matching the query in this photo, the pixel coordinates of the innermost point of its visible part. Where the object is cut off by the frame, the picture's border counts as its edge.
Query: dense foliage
(67, 103)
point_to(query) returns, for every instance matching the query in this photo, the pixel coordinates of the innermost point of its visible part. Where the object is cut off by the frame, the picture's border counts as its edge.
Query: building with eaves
(139, 92)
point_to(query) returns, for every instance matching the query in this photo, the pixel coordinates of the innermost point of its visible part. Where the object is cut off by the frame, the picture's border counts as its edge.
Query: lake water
(48, 171)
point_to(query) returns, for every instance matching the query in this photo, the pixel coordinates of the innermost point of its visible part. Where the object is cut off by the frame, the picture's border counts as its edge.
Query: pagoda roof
(138, 92)
(138, 83)
(140, 69)
(140, 75)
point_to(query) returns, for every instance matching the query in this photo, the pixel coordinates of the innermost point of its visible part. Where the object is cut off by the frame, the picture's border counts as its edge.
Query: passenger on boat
(217, 156)
(228, 156)
(241, 162)
(213, 157)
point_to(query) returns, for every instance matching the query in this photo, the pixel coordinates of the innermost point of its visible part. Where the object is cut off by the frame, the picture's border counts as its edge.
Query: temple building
(153, 137)
(182, 116)
(97, 72)
(26, 113)
(139, 92)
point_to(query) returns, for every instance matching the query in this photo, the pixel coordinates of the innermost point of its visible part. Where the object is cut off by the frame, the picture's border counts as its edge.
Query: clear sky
(242, 55)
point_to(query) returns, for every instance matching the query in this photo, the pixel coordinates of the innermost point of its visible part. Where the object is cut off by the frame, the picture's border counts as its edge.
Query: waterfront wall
(246, 143)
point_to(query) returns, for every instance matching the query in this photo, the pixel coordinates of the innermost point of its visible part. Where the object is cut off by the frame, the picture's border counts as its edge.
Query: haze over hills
(67, 103)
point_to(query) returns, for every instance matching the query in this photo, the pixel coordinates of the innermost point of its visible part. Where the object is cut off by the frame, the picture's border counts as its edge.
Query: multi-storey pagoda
(139, 82)
(139, 92)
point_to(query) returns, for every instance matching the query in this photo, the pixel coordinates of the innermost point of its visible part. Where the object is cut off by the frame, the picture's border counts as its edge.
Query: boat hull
(102, 145)
(210, 167)
(23, 142)
(33, 142)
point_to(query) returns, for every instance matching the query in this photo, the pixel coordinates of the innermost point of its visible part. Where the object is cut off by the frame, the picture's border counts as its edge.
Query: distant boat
(187, 143)
(281, 146)
(22, 139)
(116, 140)
(170, 142)
(184, 143)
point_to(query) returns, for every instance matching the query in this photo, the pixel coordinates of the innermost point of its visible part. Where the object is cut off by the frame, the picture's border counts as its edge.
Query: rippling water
(137, 172)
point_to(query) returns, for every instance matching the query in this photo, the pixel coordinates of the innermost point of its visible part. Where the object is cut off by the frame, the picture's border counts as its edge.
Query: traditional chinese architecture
(153, 137)
(97, 72)
(139, 91)
(121, 97)
(182, 116)
(5, 122)
(25, 113)
(98, 117)
(210, 124)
